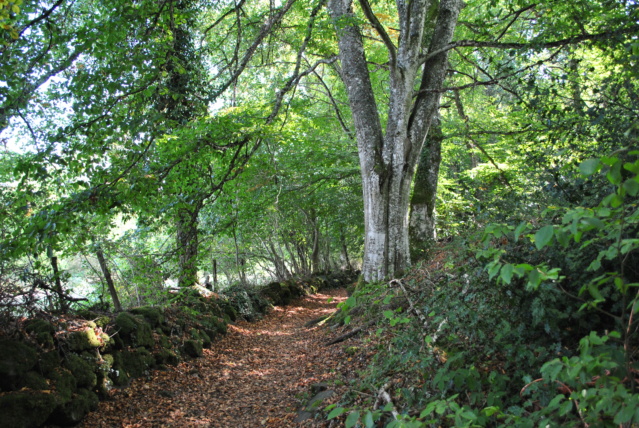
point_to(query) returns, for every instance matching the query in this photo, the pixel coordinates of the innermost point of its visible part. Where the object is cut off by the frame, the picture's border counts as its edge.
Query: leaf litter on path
(256, 376)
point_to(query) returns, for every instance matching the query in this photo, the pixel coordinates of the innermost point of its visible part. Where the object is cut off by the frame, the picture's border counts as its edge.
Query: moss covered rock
(153, 316)
(42, 330)
(16, 359)
(25, 409)
(48, 361)
(165, 356)
(134, 363)
(193, 348)
(83, 339)
(228, 310)
(103, 369)
(34, 380)
(64, 385)
(82, 369)
(75, 409)
(134, 331)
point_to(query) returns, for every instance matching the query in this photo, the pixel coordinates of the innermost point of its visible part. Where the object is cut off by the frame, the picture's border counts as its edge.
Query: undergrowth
(527, 325)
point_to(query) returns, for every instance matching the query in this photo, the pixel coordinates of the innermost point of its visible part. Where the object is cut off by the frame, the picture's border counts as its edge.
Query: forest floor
(258, 375)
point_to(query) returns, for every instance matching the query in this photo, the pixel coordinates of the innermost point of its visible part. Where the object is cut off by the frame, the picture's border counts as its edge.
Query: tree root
(350, 334)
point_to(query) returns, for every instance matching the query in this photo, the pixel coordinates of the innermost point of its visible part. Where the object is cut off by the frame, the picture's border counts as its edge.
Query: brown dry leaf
(253, 377)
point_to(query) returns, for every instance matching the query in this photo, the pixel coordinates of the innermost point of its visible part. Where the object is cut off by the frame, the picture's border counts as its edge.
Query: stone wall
(54, 370)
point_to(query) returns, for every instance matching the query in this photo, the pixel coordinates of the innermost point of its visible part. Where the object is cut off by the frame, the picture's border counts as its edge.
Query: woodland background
(150, 145)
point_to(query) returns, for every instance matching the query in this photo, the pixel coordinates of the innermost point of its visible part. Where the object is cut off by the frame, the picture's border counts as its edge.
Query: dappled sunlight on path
(253, 377)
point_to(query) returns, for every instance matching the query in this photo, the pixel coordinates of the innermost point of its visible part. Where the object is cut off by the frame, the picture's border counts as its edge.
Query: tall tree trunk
(214, 273)
(388, 159)
(346, 262)
(239, 261)
(422, 204)
(187, 246)
(63, 305)
(315, 253)
(108, 279)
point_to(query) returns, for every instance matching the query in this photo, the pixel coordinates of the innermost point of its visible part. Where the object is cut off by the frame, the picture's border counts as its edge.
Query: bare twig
(384, 396)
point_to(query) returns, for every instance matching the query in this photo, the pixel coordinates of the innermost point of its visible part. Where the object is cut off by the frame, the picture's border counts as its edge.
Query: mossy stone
(34, 380)
(165, 342)
(82, 370)
(25, 409)
(102, 322)
(153, 316)
(135, 363)
(42, 330)
(48, 361)
(193, 348)
(39, 326)
(165, 356)
(106, 340)
(134, 331)
(16, 358)
(212, 334)
(195, 335)
(75, 409)
(64, 383)
(206, 340)
(83, 340)
(45, 339)
(103, 369)
(120, 378)
(229, 310)
(126, 323)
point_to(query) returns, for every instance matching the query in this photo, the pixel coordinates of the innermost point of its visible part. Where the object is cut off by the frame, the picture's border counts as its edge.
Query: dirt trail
(253, 377)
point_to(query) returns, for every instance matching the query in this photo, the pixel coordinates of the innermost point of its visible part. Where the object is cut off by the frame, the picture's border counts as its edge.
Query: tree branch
(634, 29)
(368, 12)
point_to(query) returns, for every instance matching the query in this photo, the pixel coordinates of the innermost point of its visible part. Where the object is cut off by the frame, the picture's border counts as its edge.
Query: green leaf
(519, 229)
(368, 420)
(594, 292)
(506, 273)
(534, 279)
(543, 236)
(489, 411)
(352, 419)
(351, 302)
(493, 268)
(565, 408)
(338, 411)
(614, 174)
(625, 415)
(631, 186)
(589, 166)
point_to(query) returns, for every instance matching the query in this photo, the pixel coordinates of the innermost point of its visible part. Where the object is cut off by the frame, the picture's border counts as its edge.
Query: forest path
(253, 377)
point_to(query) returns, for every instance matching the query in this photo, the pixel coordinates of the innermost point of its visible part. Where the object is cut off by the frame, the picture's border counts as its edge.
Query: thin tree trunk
(315, 253)
(108, 279)
(214, 275)
(422, 212)
(346, 260)
(63, 305)
(239, 261)
(187, 246)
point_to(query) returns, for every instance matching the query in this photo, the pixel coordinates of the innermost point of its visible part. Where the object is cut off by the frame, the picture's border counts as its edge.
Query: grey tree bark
(108, 279)
(388, 158)
(422, 232)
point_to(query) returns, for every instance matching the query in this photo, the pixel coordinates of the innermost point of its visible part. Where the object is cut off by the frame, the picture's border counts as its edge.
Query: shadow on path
(253, 377)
